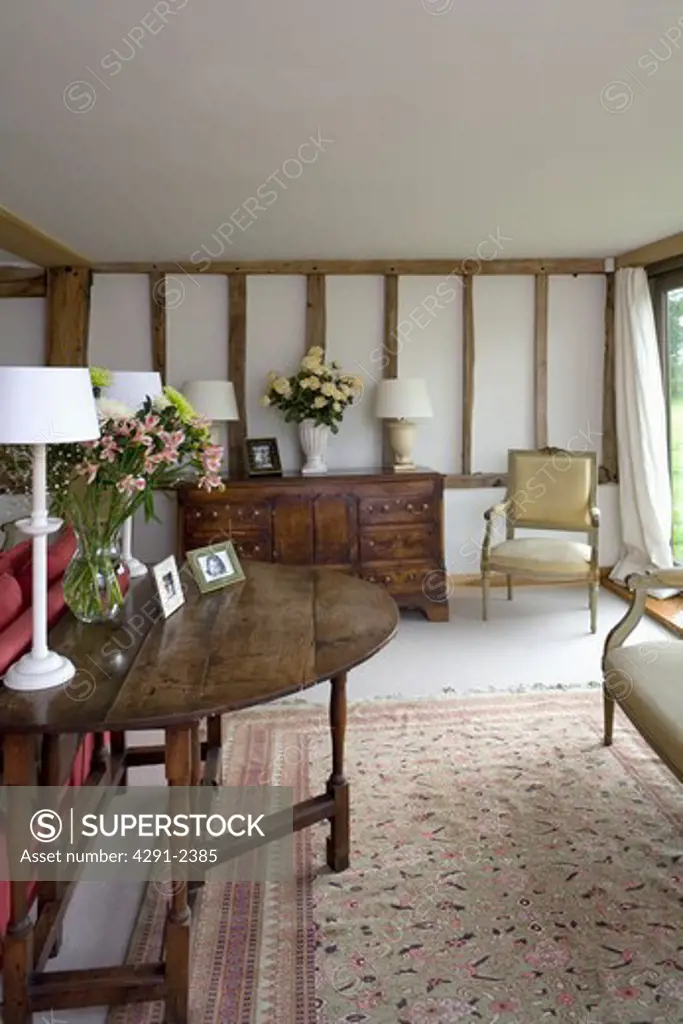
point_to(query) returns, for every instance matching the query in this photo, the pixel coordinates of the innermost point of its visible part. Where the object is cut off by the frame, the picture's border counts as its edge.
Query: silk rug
(505, 868)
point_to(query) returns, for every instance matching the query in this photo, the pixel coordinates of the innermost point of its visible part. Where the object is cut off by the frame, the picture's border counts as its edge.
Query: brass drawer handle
(409, 506)
(387, 579)
(425, 506)
(385, 508)
(215, 514)
(371, 543)
(256, 514)
(256, 549)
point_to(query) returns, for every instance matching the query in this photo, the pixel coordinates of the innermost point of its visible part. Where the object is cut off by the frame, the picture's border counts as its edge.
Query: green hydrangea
(100, 377)
(184, 409)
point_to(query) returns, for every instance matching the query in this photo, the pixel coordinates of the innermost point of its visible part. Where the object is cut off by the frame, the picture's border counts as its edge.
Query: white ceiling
(487, 117)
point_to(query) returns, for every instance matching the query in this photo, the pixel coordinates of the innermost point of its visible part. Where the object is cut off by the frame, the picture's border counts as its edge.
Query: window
(668, 304)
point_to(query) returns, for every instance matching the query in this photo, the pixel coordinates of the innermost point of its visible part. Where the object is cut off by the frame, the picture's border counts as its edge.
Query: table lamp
(132, 387)
(399, 401)
(214, 399)
(41, 406)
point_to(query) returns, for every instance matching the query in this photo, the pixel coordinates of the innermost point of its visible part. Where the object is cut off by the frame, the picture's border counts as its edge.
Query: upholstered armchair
(645, 679)
(548, 489)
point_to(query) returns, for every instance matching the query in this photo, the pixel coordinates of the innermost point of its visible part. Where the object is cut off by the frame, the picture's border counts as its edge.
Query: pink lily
(89, 470)
(109, 448)
(128, 485)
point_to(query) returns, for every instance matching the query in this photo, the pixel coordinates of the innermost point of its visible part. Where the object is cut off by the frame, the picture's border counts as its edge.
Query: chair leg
(509, 579)
(608, 705)
(485, 596)
(595, 588)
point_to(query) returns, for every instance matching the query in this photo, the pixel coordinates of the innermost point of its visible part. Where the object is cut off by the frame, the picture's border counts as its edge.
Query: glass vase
(93, 579)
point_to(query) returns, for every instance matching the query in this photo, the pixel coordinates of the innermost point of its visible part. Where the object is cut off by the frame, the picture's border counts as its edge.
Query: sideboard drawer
(224, 514)
(407, 578)
(403, 508)
(399, 542)
(253, 544)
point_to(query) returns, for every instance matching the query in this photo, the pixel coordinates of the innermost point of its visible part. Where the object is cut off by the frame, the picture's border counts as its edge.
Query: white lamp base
(31, 673)
(135, 567)
(401, 435)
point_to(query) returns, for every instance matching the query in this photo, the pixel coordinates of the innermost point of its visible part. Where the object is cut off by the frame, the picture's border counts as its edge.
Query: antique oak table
(281, 630)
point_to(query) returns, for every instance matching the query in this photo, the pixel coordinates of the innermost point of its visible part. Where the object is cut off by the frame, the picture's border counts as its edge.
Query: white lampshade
(403, 398)
(214, 399)
(46, 405)
(132, 387)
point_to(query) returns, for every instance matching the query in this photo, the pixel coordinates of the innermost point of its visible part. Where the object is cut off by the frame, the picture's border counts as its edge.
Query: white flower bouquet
(318, 391)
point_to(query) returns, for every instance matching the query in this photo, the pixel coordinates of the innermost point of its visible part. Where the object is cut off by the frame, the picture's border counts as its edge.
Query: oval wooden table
(280, 631)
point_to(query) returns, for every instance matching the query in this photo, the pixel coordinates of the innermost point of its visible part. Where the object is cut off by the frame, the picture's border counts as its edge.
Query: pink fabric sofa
(15, 638)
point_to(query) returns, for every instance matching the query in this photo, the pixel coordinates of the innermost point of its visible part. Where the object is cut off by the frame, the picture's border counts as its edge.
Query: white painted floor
(540, 639)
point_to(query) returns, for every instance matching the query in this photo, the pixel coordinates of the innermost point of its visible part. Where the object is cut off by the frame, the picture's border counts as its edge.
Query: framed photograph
(169, 587)
(215, 566)
(262, 456)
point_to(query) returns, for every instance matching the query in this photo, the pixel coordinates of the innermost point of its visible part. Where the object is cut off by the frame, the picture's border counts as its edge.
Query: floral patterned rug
(506, 868)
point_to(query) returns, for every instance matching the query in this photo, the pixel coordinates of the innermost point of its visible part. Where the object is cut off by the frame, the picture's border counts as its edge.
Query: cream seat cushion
(647, 681)
(541, 555)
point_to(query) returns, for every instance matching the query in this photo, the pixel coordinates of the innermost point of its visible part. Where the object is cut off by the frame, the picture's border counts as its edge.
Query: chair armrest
(655, 579)
(594, 513)
(501, 509)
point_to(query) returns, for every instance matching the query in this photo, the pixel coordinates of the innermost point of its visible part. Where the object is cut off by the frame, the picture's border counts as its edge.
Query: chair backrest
(551, 488)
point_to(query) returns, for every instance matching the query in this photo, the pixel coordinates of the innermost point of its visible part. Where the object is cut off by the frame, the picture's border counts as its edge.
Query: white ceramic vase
(314, 438)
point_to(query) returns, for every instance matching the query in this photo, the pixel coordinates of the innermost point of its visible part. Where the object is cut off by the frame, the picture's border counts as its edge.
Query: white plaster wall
(575, 352)
(276, 329)
(120, 322)
(503, 370)
(355, 324)
(430, 346)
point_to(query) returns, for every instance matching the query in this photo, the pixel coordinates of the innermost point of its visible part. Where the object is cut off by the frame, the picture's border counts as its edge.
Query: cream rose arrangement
(318, 391)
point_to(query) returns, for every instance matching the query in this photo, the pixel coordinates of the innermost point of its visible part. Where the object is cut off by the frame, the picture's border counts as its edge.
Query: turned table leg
(177, 938)
(337, 786)
(19, 770)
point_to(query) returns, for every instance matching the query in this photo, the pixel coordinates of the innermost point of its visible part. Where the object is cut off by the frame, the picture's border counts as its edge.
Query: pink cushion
(16, 558)
(11, 600)
(16, 638)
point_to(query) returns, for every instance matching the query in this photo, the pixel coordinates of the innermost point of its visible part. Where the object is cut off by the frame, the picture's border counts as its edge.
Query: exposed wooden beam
(157, 305)
(609, 469)
(467, 373)
(30, 243)
(390, 355)
(237, 365)
(541, 361)
(465, 481)
(470, 266)
(315, 311)
(652, 252)
(22, 283)
(68, 316)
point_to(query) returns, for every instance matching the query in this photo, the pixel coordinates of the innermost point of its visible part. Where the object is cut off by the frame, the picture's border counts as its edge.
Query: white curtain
(645, 488)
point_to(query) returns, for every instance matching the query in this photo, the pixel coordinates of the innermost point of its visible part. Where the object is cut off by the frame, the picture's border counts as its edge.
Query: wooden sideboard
(384, 526)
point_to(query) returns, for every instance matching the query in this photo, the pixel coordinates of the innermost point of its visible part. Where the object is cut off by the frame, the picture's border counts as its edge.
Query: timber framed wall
(67, 291)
